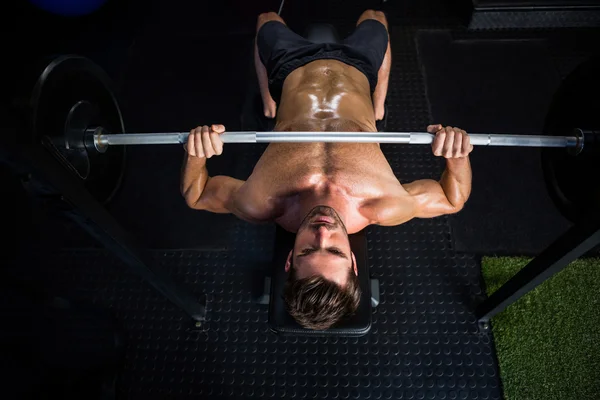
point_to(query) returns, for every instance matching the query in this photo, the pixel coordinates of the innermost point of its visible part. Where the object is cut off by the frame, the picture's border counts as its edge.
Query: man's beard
(325, 211)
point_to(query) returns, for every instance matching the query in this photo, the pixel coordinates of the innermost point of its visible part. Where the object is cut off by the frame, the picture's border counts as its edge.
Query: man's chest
(360, 168)
(350, 177)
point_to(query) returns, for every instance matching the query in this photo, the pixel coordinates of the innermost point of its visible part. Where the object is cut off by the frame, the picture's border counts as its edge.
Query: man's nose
(323, 233)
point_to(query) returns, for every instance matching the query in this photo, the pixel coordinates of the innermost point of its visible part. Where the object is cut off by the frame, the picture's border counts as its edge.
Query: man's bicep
(430, 199)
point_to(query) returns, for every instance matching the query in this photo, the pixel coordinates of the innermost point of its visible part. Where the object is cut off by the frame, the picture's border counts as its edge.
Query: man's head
(322, 284)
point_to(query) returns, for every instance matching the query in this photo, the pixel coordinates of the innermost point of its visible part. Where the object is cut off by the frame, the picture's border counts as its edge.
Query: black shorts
(282, 51)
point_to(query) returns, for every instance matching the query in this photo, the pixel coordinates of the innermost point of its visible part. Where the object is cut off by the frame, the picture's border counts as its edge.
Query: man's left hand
(450, 142)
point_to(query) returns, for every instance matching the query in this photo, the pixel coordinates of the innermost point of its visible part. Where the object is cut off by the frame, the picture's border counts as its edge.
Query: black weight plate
(66, 81)
(573, 182)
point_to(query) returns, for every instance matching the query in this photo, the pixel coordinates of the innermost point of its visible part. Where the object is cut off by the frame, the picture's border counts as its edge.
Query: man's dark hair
(318, 303)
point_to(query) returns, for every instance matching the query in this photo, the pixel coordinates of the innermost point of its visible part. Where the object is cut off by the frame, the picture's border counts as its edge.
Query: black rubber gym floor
(424, 342)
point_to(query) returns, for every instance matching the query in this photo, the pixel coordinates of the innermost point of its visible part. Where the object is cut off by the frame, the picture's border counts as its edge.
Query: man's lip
(326, 220)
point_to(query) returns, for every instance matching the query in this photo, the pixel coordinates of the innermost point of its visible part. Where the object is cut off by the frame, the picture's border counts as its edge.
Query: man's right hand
(205, 141)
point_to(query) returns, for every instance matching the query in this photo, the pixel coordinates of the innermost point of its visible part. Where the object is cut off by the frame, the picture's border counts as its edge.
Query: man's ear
(288, 262)
(354, 262)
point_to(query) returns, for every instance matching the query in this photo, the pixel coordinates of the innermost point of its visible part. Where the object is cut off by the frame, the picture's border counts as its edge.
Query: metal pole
(96, 220)
(477, 139)
(573, 244)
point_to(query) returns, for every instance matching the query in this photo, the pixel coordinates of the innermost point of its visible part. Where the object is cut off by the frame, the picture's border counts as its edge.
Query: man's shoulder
(390, 209)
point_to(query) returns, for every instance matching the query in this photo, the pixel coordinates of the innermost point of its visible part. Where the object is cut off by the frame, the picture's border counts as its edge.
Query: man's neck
(328, 201)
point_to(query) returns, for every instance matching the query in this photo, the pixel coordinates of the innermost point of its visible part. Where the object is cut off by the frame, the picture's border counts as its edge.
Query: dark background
(179, 64)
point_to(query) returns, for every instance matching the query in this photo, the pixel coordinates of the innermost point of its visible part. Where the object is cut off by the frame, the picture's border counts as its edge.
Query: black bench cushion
(322, 33)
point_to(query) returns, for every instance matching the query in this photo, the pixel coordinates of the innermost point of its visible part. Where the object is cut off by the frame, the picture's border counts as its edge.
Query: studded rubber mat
(424, 342)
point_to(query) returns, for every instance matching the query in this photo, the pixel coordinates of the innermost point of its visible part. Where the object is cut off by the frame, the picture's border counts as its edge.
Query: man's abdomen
(324, 93)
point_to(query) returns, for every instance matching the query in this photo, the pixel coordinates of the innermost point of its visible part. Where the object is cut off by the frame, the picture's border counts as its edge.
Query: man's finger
(457, 147)
(209, 151)
(434, 128)
(467, 146)
(217, 143)
(449, 142)
(189, 146)
(218, 128)
(438, 143)
(198, 142)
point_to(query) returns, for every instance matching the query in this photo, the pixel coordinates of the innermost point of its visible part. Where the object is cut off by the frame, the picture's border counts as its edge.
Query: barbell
(101, 140)
(75, 115)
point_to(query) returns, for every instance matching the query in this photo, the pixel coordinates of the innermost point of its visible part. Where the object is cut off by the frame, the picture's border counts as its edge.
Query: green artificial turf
(548, 342)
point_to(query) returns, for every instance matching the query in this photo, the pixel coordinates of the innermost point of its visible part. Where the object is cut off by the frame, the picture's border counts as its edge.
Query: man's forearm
(456, 181)
(194, 177)
(383, 77)
(269, 106)
(261, 73)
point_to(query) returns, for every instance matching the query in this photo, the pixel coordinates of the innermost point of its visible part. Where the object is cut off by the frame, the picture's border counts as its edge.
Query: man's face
(322, 247)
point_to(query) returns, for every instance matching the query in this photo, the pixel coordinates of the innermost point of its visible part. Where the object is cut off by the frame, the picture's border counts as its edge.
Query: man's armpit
(253, 205)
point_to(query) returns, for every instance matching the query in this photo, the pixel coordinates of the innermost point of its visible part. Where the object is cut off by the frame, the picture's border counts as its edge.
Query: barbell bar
(74, 114)
(102, 140)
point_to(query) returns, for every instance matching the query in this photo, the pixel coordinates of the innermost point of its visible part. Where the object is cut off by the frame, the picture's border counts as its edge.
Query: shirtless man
(324, 191)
